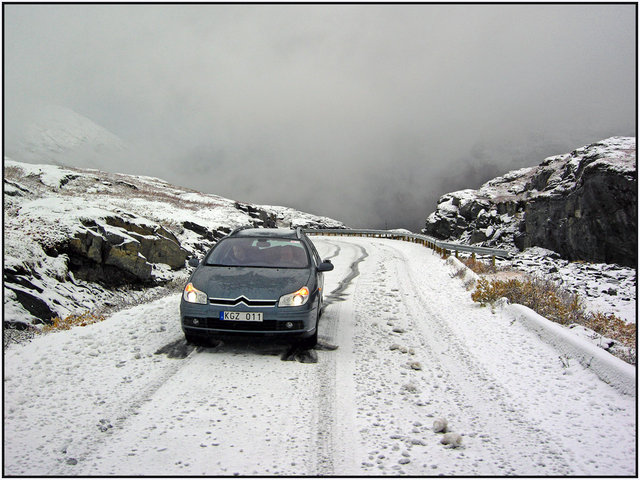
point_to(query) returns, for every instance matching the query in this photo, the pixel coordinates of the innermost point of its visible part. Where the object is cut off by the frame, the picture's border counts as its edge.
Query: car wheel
(312, 341)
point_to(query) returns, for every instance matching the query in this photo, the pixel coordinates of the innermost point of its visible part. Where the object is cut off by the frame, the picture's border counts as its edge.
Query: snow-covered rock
(76, 240)
(581, 204)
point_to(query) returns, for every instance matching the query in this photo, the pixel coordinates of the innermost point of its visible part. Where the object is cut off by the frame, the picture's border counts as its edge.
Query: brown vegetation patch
(71, 321)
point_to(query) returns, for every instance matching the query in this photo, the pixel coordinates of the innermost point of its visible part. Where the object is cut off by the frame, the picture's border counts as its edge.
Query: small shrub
(541, 296)
(71, 321)
(470, 283)
(13, 173)
(479, 267)
(488, 292)
(613, 327)
(17, 333)
(458, 273)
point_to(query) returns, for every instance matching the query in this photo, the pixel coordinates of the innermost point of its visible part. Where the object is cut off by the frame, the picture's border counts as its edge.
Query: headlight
(193, 295)
(294, 299)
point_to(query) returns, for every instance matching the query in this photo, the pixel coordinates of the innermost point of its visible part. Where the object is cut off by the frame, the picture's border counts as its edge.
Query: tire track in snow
(388, 435)
(324, 242)
(396, 403)
(335, 389)
(234, 409)
(392, 435)
(507, 434)
(338, 294)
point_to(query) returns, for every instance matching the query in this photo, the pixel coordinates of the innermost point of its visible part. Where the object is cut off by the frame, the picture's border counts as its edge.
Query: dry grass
(613, 327)
(71, 321)
(542, 296)
(478, 266)
(13, 173)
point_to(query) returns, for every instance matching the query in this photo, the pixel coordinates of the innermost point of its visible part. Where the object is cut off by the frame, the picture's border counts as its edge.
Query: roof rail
(299, 232)
(244, 227)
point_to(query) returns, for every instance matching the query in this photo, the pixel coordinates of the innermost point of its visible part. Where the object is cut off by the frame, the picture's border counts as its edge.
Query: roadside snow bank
(610, 369)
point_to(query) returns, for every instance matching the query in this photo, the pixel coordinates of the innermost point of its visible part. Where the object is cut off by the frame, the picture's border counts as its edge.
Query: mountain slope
(55, 134)
(79, 240)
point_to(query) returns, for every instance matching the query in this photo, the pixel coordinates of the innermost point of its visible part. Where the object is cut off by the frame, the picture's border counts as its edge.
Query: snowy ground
(128, 396)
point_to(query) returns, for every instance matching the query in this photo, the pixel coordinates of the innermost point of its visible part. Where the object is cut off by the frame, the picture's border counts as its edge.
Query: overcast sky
(365, 113)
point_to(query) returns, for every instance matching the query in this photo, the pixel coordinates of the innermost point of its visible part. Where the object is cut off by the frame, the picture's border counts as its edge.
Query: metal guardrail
(444, 248)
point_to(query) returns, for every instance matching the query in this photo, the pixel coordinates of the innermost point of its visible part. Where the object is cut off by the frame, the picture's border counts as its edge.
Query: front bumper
(289, 322)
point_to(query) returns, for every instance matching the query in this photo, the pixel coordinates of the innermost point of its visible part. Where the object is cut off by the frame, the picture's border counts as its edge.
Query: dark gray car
(257, 281)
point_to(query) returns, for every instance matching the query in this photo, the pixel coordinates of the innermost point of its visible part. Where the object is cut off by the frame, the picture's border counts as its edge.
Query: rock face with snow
(116, 252)
(581, 204)
(76, 239)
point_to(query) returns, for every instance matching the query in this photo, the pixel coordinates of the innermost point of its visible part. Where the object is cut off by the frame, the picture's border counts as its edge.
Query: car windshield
(259, 252)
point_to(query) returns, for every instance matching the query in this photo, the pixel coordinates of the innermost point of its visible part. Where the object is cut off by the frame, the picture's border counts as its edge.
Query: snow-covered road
(129, 397)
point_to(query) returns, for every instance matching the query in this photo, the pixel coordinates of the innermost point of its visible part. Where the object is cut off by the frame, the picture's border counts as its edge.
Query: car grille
(246, 301)
(267, 325)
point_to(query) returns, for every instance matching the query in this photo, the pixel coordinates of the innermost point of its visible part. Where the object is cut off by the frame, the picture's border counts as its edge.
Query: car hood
(249, 282)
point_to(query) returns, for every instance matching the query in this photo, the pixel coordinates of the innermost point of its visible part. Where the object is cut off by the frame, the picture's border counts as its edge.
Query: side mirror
(194, 262)
(325, 266)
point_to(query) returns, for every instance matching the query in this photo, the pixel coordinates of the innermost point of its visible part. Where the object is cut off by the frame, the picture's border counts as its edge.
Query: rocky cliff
(582, 205)
(76, 240)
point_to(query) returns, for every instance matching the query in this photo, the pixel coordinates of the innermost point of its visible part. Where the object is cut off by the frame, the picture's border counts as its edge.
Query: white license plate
(241, 316)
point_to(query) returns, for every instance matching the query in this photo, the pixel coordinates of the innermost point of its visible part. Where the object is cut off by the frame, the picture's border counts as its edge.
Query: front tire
(310, 342)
